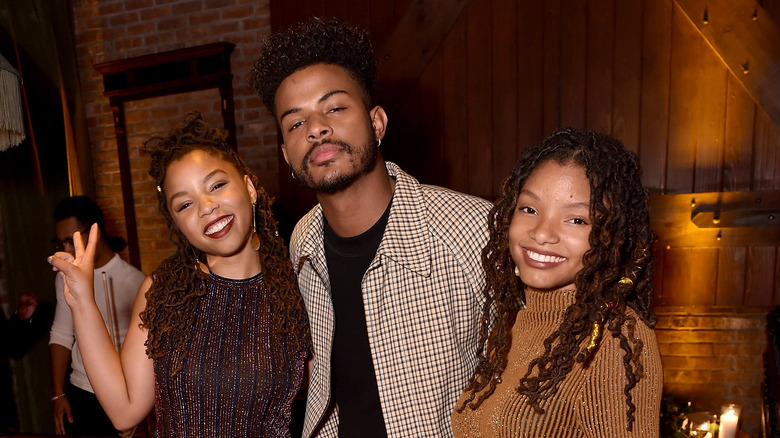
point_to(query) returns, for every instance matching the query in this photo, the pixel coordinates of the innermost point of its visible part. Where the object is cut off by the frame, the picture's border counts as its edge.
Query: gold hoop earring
(254, 241)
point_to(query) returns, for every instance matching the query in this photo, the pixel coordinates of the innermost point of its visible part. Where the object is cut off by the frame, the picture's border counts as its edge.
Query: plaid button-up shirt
(422, 295)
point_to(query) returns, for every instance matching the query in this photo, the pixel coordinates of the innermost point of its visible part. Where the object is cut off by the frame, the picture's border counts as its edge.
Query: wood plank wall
(509, 72)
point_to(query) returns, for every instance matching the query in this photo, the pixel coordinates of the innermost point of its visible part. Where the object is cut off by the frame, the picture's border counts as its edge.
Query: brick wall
(108, 30)
(711, 359)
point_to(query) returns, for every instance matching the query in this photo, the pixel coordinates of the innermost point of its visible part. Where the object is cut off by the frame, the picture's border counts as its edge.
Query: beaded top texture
(229, 385)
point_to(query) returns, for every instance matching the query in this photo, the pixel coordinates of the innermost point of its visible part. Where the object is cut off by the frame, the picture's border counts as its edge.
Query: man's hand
(61, 408)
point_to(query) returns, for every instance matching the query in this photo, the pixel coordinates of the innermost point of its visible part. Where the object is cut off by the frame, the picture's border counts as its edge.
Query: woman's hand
(78, 272)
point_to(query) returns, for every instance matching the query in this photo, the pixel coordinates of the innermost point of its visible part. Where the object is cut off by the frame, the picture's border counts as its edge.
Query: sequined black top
(228, 385)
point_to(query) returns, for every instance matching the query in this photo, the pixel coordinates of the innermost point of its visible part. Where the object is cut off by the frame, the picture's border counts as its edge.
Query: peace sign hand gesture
(78, 272)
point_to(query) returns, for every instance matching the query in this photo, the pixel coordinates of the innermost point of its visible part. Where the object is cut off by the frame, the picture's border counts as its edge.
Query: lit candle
(705, 430)
(728, 424)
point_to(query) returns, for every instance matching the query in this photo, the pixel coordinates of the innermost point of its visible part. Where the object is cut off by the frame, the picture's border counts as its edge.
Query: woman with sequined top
(219, 334)
(570, 352)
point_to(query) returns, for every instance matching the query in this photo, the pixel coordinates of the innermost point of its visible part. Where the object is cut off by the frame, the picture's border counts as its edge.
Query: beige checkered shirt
(422, 295)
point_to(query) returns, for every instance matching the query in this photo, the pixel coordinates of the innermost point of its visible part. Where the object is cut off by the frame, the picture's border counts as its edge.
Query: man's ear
(284, 152)
(378, 121)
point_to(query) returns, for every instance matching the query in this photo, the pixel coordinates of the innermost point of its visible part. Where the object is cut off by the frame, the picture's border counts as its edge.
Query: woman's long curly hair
(620, 247)
(179, 283)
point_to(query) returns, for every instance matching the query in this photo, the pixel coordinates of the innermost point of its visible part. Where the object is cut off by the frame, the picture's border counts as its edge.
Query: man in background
(76, 409)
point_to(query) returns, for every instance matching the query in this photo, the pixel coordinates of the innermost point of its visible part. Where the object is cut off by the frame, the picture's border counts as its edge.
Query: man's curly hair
(315, 41)
(178, 283)
(620, 246)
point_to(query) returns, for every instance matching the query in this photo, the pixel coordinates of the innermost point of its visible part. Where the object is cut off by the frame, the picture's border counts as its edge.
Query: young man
(76, 409)
(389, 268)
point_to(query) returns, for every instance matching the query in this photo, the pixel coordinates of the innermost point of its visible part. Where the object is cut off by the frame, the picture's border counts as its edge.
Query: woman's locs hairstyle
(178, 283)
(620, 249)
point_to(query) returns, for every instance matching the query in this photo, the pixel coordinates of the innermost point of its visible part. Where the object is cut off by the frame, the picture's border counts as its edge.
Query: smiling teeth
(219, 226)
(544, 258)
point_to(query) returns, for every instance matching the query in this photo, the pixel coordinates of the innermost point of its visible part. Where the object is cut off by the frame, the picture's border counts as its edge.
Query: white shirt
(123, 282)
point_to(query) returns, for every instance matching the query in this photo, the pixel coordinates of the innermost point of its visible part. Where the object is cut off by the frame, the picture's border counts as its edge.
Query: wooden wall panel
(690, 276)
(430, 87)
(738, 144)
(574, 46)
(656, 68)
(381, 18)
(683, 105)
(709, 112)
(627, 62)
(766, 154)
(601, 45)
(455, 126)
(551, 114)
(478, 93)
(759, 283)
(731, 276)
(504, 98)
(530, 75)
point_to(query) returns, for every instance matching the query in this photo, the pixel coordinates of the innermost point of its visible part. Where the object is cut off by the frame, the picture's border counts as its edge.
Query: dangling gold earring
(254, 241)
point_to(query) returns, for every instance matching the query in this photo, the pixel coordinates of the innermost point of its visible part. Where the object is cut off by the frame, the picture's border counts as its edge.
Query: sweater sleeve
(602, 407)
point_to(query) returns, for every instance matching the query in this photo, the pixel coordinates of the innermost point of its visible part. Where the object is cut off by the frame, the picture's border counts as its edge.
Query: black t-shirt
(353, 380)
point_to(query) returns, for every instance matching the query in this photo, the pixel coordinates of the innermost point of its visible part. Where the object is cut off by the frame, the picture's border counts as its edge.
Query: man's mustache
(345, 146)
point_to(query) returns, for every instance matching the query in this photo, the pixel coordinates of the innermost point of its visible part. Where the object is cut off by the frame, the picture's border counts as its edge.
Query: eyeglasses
(61, 245)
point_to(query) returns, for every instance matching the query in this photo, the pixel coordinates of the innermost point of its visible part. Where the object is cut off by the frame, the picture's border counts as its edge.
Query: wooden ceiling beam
(747, 40)
(411, 46)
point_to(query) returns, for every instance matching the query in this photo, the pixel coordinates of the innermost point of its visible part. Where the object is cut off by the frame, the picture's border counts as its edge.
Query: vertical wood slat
(455, 128)
(686, 45)
(659, 294)
(358, 13)
(530, 75)
(552, 64)
(772, 8)
(627, 63)
(760, 276)
(690, 276)
(574, 48)
(504, 92)
(656, 59)
(738, 142)
(731, 276)
(766, 153)
(601, 28)
(381, 18)
(709, 110)
(480, 141)
(431, 114)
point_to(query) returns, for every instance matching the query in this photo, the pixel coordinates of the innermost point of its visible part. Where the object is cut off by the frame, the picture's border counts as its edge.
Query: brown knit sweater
(590, 401)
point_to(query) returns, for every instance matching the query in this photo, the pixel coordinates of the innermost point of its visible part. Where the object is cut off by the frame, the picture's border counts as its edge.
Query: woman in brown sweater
(570, 352)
